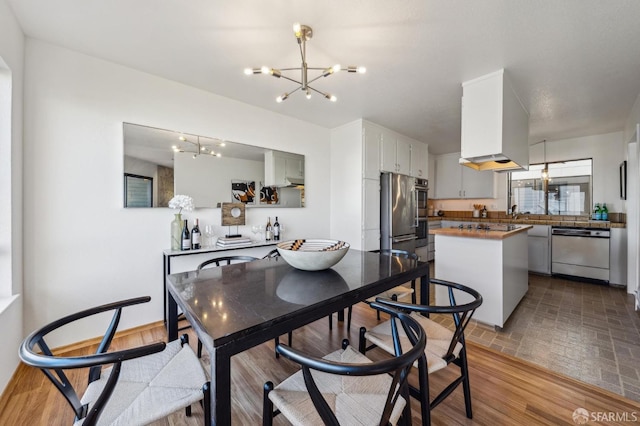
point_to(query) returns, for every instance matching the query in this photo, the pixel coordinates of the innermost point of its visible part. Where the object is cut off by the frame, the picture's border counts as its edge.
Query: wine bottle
(276, 230)
(195, 236)
(268, 230)
(186, 237)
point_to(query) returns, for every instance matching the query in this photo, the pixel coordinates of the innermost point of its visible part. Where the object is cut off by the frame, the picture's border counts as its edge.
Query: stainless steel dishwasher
(580, 252)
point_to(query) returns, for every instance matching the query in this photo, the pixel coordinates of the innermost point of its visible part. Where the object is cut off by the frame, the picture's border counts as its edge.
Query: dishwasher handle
(581, 232)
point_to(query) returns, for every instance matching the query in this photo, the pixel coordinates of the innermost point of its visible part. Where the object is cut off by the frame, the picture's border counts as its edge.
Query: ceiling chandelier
(198, 148)
(303, 33)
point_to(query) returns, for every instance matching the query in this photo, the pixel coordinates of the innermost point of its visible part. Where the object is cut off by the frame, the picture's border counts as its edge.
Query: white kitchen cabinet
(356, 158)
(282, 168)
(456, 181)
(396, 153)
(539, 242)
(372, 139)
(618, 256)
(419, 160)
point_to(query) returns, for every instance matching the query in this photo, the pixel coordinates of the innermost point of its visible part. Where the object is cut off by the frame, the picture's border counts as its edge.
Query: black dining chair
(345, 387)
(396, 293)
(225, 260)
(141, 384)
(444, 346)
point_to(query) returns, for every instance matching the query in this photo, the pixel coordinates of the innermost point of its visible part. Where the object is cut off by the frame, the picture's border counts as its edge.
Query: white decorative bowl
(312, 255)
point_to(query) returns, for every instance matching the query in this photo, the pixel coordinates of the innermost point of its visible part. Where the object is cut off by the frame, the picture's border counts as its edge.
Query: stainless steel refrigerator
(398, 212)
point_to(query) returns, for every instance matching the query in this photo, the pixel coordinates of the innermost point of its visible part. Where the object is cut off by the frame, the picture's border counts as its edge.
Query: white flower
(181, 202)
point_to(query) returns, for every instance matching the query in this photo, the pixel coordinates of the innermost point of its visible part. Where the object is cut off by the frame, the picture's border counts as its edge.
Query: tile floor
(587, 331)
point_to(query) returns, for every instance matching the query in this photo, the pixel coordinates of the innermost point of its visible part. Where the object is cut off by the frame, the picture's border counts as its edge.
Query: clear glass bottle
(176, 232)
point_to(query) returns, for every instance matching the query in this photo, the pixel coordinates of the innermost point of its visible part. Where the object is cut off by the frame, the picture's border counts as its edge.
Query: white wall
(81, 247)
(607, 150)
(633, 203)
(11, 94)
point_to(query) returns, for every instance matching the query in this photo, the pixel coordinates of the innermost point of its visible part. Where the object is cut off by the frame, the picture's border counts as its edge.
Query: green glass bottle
(597, 214)
(604, 212)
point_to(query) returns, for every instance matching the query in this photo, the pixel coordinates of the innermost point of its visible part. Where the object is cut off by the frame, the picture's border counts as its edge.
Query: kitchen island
(492, 259)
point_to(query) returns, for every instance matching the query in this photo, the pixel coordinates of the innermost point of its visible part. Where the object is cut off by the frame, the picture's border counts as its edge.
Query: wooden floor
(505, 390)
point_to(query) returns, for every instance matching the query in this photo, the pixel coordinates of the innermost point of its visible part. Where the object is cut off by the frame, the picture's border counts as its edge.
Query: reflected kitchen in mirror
(160, 163)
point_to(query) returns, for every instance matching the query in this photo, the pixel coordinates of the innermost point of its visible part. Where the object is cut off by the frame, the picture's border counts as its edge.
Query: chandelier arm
(291, 79)
(292, 69)
(318, 91)
(317, 78)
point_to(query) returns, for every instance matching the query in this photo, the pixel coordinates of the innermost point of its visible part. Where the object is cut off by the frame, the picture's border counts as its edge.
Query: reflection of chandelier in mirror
(303, 33)
(198, 148)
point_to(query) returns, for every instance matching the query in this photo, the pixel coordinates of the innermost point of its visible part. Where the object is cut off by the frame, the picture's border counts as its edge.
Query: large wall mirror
(160, 163)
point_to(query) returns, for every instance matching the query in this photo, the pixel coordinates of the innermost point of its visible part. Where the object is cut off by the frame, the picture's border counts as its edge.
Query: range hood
(293, 181)
(495, 125)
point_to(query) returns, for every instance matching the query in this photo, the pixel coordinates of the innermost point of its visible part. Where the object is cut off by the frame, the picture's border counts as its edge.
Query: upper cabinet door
(477, 184)
(372, 139)
(403, 155)
(389, 163)
(448, 176)
(419, 160)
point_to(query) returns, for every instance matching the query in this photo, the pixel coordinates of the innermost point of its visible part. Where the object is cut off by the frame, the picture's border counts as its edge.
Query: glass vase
(176, 232)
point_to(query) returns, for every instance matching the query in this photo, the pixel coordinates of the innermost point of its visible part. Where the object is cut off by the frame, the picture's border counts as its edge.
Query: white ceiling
(574, 63)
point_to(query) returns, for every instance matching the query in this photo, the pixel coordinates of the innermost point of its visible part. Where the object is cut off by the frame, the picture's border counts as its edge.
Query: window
(138, 191)
(565, 191)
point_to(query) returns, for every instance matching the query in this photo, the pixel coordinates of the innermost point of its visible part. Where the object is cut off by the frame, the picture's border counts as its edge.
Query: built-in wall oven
(422, 226)
(580, 252)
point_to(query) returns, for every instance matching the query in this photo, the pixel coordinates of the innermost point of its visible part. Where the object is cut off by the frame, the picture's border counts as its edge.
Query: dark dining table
(235, 307)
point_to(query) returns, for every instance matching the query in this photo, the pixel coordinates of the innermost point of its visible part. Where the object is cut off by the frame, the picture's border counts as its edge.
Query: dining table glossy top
(233, 301)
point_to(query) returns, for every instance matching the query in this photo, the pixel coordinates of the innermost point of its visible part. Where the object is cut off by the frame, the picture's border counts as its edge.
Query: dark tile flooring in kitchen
(586, 331)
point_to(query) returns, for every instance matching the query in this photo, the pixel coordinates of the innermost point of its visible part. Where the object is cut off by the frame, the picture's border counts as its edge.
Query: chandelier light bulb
(248, 71)
(265, 69)
(297, 29)
(336, 68)
(361, 70)
(218, 155)
(282, 97)
(332, 98)
(308, 94)
(182, 138)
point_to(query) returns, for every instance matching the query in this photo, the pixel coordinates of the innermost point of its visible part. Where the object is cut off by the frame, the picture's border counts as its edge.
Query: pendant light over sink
(495, 125)
(303, 33)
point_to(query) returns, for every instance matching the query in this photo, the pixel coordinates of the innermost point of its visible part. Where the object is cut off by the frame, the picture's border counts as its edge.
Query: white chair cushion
(354, 400)
(438, 340)
(151, 387)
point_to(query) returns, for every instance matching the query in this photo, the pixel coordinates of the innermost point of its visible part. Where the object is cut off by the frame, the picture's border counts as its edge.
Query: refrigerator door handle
(416, 224)
(403, 239)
